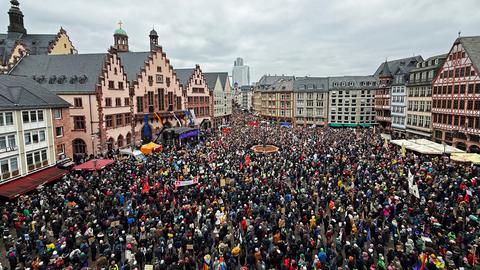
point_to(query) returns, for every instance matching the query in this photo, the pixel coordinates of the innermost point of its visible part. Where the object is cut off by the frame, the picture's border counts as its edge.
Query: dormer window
(351, 83)
(344, 83)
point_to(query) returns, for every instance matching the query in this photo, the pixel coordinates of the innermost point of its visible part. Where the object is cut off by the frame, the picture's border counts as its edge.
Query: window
(179, 103)
(170, 101)
(161, 99)
(33, 116)
(159, 78)
(108, 121)
(150, 98)
(40, 116)
(79, 122)
(115, 71)
(120, 85)
(111, 84)
(77, 102)
(27, 138)
(119, 120)
(60, 149)
(41, 135)
(118, 102)
(57, 113)
(126, 101)
(108, 102)
(139, 104)
(159, 69)
(127, 119)
(59, 131)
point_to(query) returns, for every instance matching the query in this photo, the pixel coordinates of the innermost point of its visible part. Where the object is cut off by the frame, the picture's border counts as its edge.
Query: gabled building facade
(156, 92)
(219, 85)
(17, 43)
(198, 96)
(419, 97)
(456, 96)
(389, 105)
(97, 87)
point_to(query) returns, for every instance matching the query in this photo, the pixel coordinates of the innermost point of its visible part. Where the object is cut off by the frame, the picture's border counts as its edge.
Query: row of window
(120, 120)
(118, 102)
(198, 100)
(310, 95)
(32, 116)
(339, 118)
(398, 89)
(34, 136)
(419, 121)
(347, 93)
(456, 55)
(424, 91)
(420, 105)
(309, 111)
(354, 109)
(398, 99)
(458, 72)
(37, 157)
(111, 85)
(354, 101)
(457, 89)
(201, 111)
(457, 104)
(399, 120)
(421, 76)
(351, 83)
(457, 120)
(398, 109)
(310, 103)
(171, 99)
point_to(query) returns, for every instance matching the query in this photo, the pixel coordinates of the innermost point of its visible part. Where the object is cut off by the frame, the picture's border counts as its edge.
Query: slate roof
(36, 44)
(281, 85)
(63, 74)
(132, 63)
(18, 92)
(403, 63)
(352, 82)
(309, 84)
(267, 80)
(184, 75)
(472, 47)
(211, 77)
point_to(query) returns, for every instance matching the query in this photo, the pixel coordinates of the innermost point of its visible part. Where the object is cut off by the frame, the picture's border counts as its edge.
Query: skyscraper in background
(240, 73)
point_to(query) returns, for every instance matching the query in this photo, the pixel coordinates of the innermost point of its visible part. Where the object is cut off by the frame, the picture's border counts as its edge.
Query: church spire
(16, 19)
(153, 39)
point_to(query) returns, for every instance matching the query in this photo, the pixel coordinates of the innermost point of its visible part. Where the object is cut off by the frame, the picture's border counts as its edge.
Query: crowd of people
(328, 199)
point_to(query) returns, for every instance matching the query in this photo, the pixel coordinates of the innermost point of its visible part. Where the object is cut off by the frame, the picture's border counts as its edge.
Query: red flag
(146, 187)
(247, 160)
(467, 197)
(241, 165)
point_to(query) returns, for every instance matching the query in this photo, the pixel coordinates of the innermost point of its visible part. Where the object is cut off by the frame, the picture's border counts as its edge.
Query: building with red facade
(456, 97)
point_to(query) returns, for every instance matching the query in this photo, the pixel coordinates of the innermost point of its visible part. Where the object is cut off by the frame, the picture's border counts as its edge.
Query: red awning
(94, 165)
(30, 182)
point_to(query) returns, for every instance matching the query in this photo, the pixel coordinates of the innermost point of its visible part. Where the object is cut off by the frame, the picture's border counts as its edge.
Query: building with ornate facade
(29, 136)
(259, 97)
(199, 98)
(351, 100)
(419, 97)
(17, 43)
(456, 96)
(389, 105)
(219, 84)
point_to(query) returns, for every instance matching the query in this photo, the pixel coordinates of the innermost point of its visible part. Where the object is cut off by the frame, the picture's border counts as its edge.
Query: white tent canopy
(424, 146)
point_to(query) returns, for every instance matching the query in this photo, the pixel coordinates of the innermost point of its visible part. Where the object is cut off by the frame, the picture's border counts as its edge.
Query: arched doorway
(120, 141)
(79, 148)
(110, 143)
(129, 139)
(461, 146)
(474, 149)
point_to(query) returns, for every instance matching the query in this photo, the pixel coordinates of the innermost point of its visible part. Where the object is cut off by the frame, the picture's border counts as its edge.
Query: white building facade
(26, 127)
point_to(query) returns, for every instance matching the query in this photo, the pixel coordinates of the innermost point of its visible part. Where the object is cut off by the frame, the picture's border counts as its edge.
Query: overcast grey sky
(294, 37)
